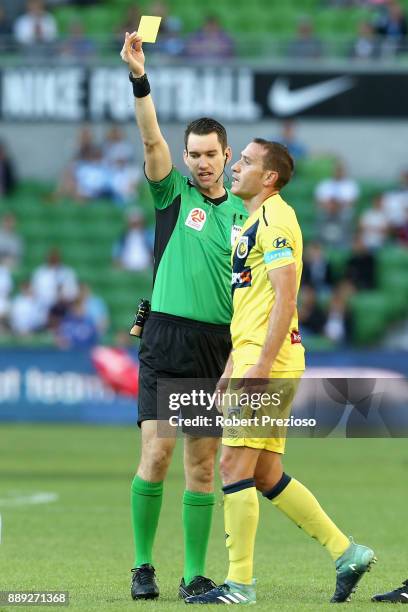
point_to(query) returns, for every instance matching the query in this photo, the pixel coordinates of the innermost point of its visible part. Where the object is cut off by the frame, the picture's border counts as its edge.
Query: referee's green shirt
(192, 250)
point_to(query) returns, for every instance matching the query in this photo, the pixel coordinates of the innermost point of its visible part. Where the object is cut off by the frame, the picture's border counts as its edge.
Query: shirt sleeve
(165, 191)
(277, 245)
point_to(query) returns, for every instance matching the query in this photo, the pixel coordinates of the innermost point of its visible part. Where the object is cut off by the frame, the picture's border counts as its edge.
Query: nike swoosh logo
(283, 101)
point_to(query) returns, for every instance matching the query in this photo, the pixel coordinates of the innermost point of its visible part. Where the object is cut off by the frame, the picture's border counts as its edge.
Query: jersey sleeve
(278, 246)
(165, 191)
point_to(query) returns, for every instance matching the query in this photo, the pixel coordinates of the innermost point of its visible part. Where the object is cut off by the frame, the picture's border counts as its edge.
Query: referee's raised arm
(156, 151)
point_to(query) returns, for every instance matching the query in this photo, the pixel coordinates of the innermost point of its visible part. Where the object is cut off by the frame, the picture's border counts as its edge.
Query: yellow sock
(241, 512)
(298, 503)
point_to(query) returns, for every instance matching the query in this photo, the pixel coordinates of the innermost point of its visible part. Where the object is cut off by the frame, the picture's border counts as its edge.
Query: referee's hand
(132, 54)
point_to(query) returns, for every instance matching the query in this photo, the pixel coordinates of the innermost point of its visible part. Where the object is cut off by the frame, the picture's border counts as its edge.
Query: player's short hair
(278, 159)
(204, 126)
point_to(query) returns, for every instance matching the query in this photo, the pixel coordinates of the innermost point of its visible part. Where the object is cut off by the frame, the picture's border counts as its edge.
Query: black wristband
(141, 85)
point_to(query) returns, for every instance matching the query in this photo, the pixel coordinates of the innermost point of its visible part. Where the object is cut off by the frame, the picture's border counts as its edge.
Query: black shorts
(174, 347)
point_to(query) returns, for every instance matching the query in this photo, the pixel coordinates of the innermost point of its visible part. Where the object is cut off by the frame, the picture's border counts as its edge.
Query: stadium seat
(393, 279)
(99, 20)
(338, 259)
(86, 234)
(371, 313)
(43, 339)
(316, 168)
(65, 15)
(317, 343)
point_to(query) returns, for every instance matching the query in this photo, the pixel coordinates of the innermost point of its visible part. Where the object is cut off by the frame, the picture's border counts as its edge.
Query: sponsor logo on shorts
(196, 219)
(278, 254)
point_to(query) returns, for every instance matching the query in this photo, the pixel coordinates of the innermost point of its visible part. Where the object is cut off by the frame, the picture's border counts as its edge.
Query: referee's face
(248, 173)
(206, 160)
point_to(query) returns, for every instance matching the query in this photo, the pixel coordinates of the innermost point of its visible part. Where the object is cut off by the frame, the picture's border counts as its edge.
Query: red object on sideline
(117, 369)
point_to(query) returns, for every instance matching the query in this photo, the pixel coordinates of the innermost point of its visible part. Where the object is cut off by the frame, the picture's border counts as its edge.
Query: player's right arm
(222, 384)
(157, 156)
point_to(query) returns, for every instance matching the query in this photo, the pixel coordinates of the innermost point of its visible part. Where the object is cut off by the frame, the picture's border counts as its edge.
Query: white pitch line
(41, 497)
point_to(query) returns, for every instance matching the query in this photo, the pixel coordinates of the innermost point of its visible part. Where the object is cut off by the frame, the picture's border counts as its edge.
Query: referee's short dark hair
(278, 159)
(204, 126)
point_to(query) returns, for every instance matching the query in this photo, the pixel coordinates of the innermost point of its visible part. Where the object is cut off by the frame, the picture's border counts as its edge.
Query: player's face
(248, 173)
(205, 159)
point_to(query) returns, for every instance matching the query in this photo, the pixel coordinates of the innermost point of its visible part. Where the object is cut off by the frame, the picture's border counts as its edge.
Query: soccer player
(187, 334)
(266, 271)
(399, 595)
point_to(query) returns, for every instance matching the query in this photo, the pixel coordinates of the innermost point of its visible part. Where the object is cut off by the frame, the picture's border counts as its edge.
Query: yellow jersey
(270, 238)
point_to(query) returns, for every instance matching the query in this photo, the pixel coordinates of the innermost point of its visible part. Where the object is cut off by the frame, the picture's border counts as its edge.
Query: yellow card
(148, 28)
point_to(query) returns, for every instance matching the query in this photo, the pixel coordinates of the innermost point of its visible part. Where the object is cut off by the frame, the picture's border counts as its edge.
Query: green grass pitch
(82, 541)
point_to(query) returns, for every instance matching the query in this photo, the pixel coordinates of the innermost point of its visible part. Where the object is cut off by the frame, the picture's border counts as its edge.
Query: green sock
(146, 500)
(197, 516)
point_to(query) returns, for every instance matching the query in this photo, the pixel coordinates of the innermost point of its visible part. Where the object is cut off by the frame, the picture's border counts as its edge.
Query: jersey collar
(214, 201)
(273, 200)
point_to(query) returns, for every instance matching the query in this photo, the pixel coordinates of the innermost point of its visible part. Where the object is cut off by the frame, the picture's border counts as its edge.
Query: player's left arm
(283, 281)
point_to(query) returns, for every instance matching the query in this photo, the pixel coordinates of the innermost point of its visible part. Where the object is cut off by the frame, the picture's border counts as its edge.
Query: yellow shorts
(259, 424)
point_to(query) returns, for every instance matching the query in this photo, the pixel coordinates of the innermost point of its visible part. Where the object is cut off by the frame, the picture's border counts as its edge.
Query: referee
(187, 334)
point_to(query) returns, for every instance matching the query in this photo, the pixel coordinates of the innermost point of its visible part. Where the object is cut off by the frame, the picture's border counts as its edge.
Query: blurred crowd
(382, 36)
(35, 30)
(101, 170)
(30, 27)
(342, 227)
(53, 299)
(325, 299)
